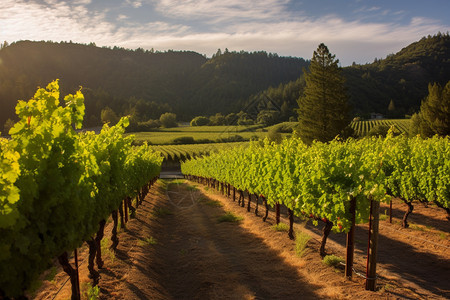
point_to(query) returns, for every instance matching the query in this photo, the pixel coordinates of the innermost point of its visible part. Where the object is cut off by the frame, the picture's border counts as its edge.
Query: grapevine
(59, 185)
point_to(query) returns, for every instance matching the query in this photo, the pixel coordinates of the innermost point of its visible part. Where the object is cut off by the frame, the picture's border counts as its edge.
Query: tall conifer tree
(323, 109)
(435, 111)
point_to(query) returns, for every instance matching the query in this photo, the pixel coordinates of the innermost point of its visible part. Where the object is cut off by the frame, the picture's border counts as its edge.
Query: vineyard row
(57, 187)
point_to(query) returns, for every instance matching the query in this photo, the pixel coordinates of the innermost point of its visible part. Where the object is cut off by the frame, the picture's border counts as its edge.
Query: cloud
(219, 11)
(135, 4)
(350, 41)
(366, 9)
(82, 2)
(236, 25)
(55, 21)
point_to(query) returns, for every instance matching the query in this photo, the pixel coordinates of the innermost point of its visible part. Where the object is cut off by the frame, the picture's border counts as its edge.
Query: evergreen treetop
(323, 109)
(435, 111)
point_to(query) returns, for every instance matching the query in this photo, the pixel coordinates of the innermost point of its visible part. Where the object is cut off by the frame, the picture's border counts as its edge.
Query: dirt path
(176, 248)
(197, 257)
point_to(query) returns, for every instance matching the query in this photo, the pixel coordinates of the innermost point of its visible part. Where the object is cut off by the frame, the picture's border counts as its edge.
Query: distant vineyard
(182, 152)
(361, 128)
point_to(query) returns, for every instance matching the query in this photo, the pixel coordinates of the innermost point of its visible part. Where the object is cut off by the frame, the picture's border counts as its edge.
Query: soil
(176, 248)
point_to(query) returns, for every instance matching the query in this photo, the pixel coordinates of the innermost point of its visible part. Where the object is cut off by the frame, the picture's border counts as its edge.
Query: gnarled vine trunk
(291, 224)
(93, 274)
(114, 238)
(325, 234)
(98, 240)
(130, 207)
(408, 211)
(257, 204)
(267, 209)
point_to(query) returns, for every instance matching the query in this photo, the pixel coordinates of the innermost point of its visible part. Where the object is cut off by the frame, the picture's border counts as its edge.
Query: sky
(354, 30)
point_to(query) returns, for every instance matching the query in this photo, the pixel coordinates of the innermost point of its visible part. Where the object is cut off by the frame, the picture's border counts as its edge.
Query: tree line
(244, 87)
(144, 84)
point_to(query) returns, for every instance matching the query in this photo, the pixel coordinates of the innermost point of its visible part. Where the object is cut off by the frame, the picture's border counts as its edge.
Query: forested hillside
(402, 77)
(146, 82)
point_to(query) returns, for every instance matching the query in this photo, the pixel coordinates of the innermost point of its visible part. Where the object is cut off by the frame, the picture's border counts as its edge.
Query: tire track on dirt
(210, 260)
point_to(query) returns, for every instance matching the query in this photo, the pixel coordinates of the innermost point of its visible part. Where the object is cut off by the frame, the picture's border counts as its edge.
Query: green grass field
(233, 129)
(219, 137)
(181, 152)
(166, 136)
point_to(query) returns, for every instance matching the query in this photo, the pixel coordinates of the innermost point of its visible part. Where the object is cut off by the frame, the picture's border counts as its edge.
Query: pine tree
(435, 111)
(391, 113)
(323, 109)
(391, 107)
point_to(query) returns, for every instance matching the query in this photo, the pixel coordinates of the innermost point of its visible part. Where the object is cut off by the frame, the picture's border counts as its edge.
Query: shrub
(168, 120)
(285, 127)
(200, 121)
(148, 125)
(245, 122)
(107, 115)
(183, 140)
(203, 141)
(217, 120)
(268, 117)
(233, 138)
(378, 130)
(274, 135)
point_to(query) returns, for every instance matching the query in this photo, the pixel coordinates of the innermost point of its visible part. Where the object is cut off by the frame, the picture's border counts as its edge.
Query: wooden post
(77, 274)
(122, 221)
(125, 209)
(64, 261)
(277, 216)
(371, 272)
(140, 197)
(249, 200)
(234, 193)
(350, 240)
(137, 200)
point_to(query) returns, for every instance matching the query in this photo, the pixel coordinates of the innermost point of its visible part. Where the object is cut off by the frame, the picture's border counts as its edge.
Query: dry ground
(176, 248)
